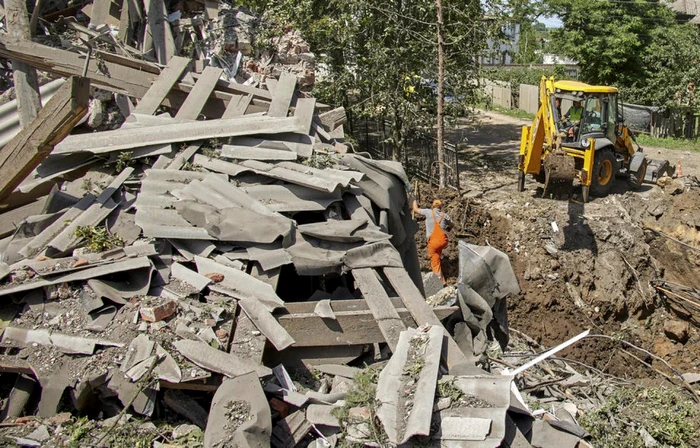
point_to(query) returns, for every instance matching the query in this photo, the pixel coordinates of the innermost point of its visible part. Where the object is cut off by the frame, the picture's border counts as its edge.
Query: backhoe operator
(437, 238)
(574, 113)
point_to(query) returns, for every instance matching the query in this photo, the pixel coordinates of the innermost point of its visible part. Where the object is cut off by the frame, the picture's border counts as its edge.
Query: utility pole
(441, 95)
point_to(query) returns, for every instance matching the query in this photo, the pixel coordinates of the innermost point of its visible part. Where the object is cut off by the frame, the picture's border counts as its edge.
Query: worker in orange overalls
(437, 238)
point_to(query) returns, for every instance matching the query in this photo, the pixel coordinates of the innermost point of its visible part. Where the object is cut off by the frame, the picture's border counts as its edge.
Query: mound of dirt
(588, 266)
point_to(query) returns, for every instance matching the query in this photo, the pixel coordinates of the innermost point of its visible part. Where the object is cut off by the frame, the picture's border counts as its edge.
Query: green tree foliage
(633, 44)
(381, 55)
(608, 39)
(671, 68)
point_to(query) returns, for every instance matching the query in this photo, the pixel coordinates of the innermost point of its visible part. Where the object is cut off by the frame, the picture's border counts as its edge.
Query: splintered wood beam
(55, 120)
(379, 303)
(26, 82)
(162, 86)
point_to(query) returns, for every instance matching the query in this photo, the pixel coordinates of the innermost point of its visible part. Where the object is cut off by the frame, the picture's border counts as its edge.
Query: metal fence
(419, 157)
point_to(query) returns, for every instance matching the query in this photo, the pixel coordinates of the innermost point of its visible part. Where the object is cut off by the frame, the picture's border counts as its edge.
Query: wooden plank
(284, 92)
(351, 327)
(304, 113)
(382, 309)
(112, 72)
(161, 32)
(25, 78)
(131, 138)
(199, 95)
(333, 118)
(162, 86)
(422, 313)
(28, 148)
(237, 106)
(239, 89)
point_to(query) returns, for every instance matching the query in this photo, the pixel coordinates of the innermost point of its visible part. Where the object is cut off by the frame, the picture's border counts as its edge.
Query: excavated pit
(594, 273)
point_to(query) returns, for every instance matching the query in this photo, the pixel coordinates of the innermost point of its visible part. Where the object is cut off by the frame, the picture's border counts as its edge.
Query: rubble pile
(192, 255)
(182, 275)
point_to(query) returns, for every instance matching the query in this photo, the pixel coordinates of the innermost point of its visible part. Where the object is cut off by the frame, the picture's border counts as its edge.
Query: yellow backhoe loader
(588, 142)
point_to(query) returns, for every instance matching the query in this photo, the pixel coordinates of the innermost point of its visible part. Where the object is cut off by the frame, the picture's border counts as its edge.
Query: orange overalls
(436, 243)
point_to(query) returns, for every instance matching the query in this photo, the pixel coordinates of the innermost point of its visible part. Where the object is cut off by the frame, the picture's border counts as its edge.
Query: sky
(551, 22)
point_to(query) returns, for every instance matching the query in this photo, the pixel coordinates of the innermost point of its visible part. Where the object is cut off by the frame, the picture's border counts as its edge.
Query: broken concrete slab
(131, 138)
(266, 323)
(66, 343)
(218, 361)
(415, 360)
(319, 414)
(239, 284)
(324, 310)
(239, 415)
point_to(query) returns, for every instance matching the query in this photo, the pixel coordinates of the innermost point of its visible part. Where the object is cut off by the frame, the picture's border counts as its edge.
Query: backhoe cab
(592, 145)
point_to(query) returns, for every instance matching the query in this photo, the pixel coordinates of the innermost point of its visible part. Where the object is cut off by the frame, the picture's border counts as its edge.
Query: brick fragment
(158, 312)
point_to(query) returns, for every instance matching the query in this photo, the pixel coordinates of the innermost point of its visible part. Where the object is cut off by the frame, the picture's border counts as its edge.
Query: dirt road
(493, 141)
(581, 265)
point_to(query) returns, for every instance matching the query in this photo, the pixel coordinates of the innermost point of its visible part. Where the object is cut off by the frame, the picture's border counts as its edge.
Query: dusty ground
(594, 272)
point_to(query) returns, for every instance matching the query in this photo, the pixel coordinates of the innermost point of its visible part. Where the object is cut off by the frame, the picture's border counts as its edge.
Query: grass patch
(362, 394)
(670, 417)
(124, 160)
(448, 389)
(517, 113)
(98, 238)
(668, 143)
(320, 161)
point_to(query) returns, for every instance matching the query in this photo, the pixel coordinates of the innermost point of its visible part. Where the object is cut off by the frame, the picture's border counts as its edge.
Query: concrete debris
(406, 388)
(218, 361)
(239, 415)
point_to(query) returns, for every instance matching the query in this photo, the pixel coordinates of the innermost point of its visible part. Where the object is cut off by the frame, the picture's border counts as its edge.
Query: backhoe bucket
(656, 169)
(559, 172)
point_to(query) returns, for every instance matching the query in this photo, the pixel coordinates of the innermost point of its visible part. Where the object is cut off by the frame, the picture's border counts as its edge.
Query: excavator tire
(635, 180)
(603, 175)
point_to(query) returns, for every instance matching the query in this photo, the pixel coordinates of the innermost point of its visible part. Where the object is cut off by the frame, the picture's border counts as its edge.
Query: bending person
(437, 238)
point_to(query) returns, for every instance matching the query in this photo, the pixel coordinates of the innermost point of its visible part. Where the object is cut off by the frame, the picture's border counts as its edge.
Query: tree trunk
(397, 137)
(441, 96)
(26, 82)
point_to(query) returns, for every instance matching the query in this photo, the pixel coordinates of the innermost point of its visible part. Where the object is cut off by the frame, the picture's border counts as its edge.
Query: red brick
(215, 277)
(158, 312)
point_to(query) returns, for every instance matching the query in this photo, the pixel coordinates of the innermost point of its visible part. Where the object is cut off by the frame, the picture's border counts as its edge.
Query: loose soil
(594, 272)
